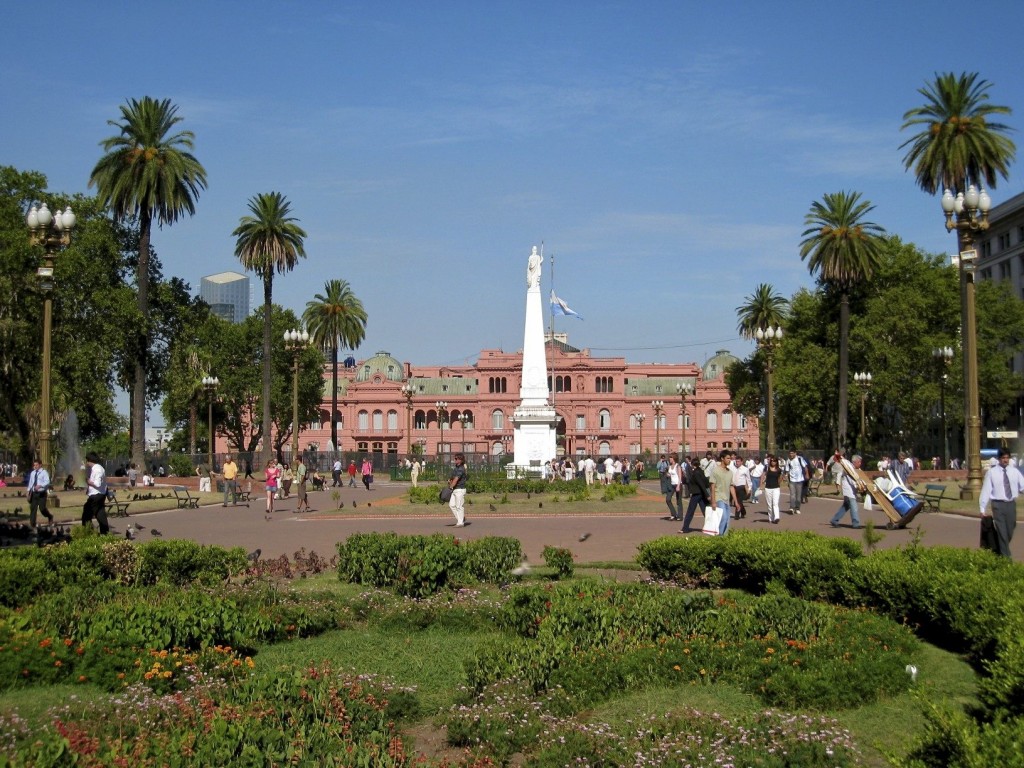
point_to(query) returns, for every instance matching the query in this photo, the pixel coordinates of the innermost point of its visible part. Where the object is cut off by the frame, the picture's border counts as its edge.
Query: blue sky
(665, 152)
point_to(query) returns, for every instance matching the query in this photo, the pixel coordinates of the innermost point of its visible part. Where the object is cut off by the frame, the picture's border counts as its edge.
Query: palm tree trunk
(844, 364)
(193, 417)
(268, 291)
(334, 395)
(138, 393)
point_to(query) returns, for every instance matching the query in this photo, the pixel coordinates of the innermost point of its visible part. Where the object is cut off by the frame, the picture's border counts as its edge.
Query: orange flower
(45, 642)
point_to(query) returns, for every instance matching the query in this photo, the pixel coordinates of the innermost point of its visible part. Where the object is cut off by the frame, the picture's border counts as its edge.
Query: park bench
(245, 492)
(933, 495)
(185, 499)
(116, 508)
(814, 484)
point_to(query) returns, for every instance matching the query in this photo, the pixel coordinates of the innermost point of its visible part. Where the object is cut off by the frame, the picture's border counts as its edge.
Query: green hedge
(966, 601)
(418, 566)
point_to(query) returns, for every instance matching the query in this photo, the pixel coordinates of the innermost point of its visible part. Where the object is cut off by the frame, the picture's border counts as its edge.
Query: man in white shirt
(741, 486)
(798, 475)
(588, 470)
(609, 470)
(95, 493)
(1000, 489)
(38, 487)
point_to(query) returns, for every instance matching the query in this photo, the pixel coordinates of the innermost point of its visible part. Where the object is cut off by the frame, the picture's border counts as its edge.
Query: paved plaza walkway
(611, 536)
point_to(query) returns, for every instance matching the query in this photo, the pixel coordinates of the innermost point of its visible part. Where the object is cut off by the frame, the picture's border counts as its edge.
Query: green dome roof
(717, 365)
(382, 363)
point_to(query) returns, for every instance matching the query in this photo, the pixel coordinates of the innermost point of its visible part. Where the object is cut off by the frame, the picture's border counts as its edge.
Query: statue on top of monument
(533, 269)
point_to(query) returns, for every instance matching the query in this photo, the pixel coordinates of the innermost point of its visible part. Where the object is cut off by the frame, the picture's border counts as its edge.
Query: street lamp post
(683, 389)
(407, 393)
(210, 384)
(967, 213)
(464, 418)
(640, 419)
(442, 415)
(53, 232)
(943, 355)
(295, 341)
(768, 339)
(658, 406)
(863, 382)
(506, 444)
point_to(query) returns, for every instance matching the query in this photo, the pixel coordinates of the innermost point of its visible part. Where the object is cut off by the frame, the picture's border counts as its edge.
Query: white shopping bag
(712, 519)
(867, 502)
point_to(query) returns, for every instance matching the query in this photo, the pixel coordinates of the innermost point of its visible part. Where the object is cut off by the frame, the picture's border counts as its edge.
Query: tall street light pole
(295, 341)
(463, 419)
(863, 382)
(967, 213)
(768, 339)
(407, 393)
(943, 355)
(53, 232)
(442, 415)
(683, 389)
(210, 384)
(640, 419)
(658, 406)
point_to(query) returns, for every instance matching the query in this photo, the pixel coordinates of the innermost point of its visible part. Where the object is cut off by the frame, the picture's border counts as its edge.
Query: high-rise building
(227, 293)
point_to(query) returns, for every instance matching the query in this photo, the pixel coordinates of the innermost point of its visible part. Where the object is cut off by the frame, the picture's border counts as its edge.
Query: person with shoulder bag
(457, 486)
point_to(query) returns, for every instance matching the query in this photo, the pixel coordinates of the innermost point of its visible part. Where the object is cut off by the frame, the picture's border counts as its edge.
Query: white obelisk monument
(535, 419)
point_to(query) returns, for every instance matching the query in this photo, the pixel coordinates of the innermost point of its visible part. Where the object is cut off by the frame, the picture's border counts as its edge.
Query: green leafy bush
(491, 558)
(560, 560)
(180, 465)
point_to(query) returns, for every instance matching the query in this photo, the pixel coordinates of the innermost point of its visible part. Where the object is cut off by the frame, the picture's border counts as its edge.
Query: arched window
(606, 448)
(634, 449)
(392, 420)
(432, 417)
(604, 419)
(497, 448)
(378, 421)
(469, 419)
(339, 420)
(419, 420)
(712, 420)
(497, 419)
(726, 421)
(741, 421)
(364, 421)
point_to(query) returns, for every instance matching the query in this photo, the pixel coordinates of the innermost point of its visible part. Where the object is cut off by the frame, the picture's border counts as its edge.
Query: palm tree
(957, 145)
(843, 250)
(763, 308)
(148, 172)
(268, 241)
(335, 318)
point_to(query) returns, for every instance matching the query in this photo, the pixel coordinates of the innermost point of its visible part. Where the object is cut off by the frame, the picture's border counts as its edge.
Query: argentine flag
(559, 307)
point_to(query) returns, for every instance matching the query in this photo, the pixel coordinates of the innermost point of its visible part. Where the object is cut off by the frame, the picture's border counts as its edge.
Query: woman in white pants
(772, 489)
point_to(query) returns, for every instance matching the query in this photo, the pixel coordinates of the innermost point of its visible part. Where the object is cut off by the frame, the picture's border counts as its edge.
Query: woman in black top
(700, 492)
(772, 489)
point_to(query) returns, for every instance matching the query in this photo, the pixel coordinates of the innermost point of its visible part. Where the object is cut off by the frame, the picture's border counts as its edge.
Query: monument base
(535, 442)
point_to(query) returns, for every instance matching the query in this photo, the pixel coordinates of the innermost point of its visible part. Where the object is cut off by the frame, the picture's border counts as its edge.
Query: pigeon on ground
(341, 504)
(139, 527)
(155, 532)
(254, 555)
(528, 494)
(354, 505)
(369, 504)
(492, 508)
(584, 537)
(522, 569)
(129, 534)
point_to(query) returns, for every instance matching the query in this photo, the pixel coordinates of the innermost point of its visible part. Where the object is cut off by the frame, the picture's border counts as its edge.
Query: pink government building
(605, 406)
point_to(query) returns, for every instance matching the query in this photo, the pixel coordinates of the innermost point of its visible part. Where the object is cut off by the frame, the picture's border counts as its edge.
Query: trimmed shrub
(492, 558)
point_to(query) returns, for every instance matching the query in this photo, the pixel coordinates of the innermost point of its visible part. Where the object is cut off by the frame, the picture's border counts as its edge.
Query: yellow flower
(677, 668)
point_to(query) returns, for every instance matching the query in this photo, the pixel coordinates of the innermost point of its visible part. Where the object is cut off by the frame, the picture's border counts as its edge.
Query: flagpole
(551, 333)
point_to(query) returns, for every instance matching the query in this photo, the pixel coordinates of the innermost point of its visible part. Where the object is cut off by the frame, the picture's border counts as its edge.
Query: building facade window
(726, 421)
(363, 421)
(603, 384)
(497, 419)
(581, 422)
(392, 421)
(378, 421)
(712, 420)
(604, 419)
